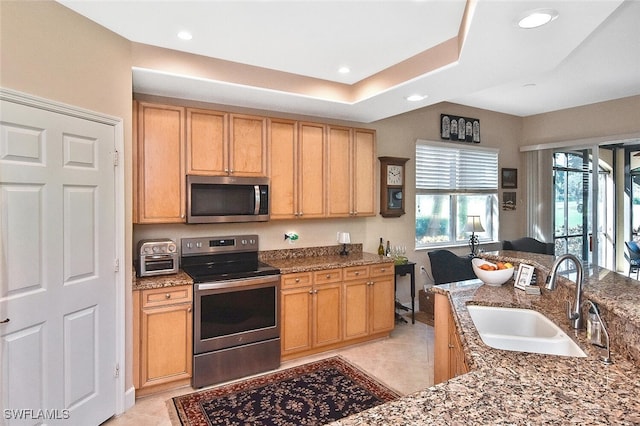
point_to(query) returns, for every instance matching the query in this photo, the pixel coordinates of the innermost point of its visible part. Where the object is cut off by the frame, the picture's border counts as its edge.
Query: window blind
(450, 168)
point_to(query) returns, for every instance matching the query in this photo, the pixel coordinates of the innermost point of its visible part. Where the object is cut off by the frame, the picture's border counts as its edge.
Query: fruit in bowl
(494, 274)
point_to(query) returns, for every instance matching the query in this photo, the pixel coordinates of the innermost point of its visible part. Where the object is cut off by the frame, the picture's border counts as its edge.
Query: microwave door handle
(256, 190)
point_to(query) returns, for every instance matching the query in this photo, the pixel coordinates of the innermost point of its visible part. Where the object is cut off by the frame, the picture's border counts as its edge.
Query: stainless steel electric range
(236, 321)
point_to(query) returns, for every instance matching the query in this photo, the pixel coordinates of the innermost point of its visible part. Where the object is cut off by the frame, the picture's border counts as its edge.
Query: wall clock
(392, 175)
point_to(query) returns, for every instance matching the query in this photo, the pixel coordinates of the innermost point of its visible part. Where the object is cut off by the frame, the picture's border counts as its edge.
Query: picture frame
(509, 178)
(524, 276)
(508, 201)
(459, 129)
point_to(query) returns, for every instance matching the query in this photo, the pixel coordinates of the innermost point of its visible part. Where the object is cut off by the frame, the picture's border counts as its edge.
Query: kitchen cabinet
(311, 170)
(207, 142)
(350, 178)
(329, 309)
(297, 169)
(159, 173)
(310, 312)
(368, 301)
(283, 149)
(224, 144)
(449, 359)
(162, 324)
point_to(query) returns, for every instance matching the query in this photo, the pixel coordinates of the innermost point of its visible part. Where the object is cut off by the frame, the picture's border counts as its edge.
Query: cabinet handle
(189, 309)
(315, 291)
(450, 346)
(383, 270)
(357, 273)
(328, 276)
(310, 291)
(168, 295)
(297, 280)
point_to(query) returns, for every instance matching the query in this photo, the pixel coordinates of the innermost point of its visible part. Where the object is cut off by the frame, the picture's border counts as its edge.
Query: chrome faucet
(572, 314)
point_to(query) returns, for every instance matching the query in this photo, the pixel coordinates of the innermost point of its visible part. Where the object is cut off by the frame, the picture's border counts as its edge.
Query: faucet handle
(571, 315)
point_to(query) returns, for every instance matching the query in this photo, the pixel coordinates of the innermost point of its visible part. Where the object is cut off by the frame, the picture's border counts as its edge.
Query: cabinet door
(339, 172)
(311, 170)
(363, 176)
(207, 142)
(327, 324)
(166, 344)
(382, 304)
(356, 308)
(441, 358)
(247, 145)
(160, 186)
(296, 309)
(283, 139)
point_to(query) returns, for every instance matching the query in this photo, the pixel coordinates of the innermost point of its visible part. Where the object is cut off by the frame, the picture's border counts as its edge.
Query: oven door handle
(237, 283)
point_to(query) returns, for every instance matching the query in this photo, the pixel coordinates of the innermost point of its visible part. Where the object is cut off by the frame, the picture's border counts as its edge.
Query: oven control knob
(156, 249)
(189, 245)
(244, 242)
(199, 245)
(171, 248)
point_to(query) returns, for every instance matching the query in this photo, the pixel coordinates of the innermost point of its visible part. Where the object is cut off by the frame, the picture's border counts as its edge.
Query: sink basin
(521, 330)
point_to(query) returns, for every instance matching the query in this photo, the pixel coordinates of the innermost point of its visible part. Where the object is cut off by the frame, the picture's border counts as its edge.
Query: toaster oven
(157, 257)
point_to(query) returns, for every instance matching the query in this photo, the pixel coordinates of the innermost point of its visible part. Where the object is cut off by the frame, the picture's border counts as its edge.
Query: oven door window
(223, 314)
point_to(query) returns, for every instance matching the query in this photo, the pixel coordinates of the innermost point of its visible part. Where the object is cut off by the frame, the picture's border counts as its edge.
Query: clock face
(394, 175)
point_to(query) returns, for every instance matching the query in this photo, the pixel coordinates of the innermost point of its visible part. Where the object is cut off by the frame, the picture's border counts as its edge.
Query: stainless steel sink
(521, 330)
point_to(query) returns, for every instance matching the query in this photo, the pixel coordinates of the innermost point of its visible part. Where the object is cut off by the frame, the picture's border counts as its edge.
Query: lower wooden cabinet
(449, 360)
(332, 308)
(162, 324)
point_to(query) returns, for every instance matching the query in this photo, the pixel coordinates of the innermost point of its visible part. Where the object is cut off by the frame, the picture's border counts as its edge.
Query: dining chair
(633, 257)
(530, 245)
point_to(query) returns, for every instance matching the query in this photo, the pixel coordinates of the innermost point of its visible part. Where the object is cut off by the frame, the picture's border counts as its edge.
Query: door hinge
(116, 157)
(116, 265)
(117, 372)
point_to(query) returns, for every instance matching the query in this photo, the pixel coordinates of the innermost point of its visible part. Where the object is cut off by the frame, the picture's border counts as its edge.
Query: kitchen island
(505, 387)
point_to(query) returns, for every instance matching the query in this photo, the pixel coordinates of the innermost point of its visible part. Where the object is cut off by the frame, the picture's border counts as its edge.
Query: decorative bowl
(495, 278)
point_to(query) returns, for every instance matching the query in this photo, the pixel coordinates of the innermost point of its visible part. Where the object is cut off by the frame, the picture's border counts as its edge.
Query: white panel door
(57, 252)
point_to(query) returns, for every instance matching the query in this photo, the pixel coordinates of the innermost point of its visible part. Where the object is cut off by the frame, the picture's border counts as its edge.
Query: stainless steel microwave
(215, 199)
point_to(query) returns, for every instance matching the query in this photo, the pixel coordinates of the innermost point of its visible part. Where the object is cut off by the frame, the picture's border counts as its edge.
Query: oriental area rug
(311, 394)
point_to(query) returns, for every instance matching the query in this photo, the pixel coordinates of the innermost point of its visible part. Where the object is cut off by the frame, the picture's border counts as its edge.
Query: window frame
(488, 187)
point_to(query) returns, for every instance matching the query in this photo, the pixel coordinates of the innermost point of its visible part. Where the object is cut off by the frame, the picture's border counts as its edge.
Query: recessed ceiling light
(344, 70)
(537, 18)
(185, 35)
(416, 98)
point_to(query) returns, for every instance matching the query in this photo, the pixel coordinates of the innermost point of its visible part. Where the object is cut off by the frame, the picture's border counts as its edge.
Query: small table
(402, 270)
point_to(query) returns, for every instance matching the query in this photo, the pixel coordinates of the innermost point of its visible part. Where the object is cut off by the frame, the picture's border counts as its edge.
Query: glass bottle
(388, 251)
(381, 248)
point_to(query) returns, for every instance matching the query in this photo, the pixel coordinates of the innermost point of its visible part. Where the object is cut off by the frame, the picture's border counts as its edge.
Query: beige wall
(46, 50)
(604, 119)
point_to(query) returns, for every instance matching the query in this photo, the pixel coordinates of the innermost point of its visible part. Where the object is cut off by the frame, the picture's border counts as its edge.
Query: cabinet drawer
(356, 272)
(382, 269)
(166, 296)
(296, 280)
(327, 276)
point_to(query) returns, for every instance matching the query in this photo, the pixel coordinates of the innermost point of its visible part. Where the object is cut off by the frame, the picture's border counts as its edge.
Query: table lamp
(344, 238)
(473, 225)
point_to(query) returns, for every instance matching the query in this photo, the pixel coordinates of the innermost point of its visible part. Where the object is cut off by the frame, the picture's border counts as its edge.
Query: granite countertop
(329, 261)
(160, 281)
(288, 261)
(505, 387)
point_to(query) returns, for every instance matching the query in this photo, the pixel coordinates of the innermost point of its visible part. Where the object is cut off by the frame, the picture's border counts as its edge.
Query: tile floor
(404, 362)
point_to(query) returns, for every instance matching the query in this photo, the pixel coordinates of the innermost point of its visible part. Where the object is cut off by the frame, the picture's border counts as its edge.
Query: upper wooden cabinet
(159, 173)
(283, 152)
(311, 170)
(221, 144)
(207, 142)
(350, 180)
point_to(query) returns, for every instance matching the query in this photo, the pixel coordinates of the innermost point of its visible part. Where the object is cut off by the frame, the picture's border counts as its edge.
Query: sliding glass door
(580, 201)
